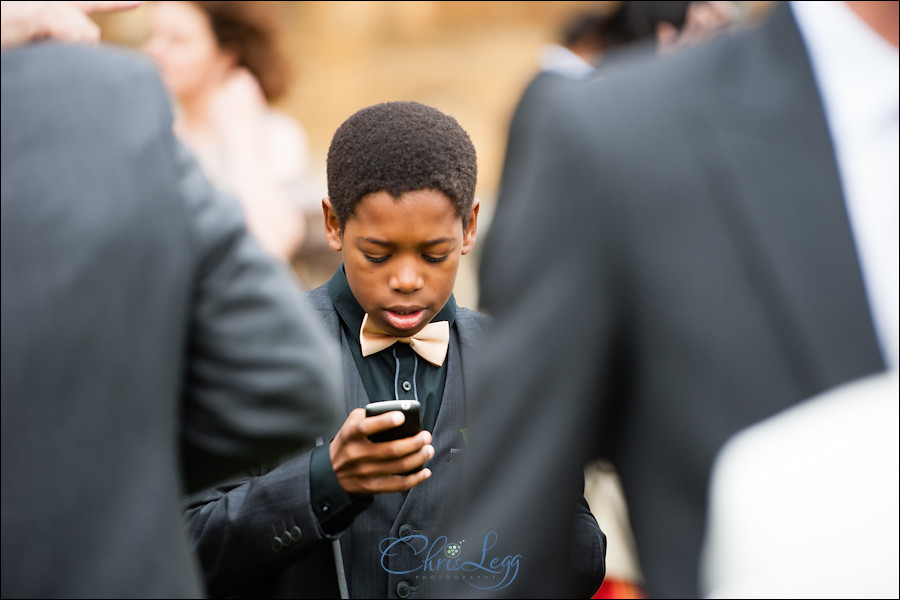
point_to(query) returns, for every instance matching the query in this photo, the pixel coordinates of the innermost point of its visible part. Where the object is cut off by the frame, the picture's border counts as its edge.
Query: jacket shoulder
(319, 298)
(320, 301)
(472, 325)
(92, 66)
(104, 82)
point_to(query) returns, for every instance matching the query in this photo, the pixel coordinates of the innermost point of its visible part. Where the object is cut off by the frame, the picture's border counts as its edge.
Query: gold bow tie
(430, 343)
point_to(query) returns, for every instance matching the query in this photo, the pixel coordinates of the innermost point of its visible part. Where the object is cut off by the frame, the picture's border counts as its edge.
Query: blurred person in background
(222, 64)
(667, 26)
(693, 244)
(150, 347)
(595, 44)
(592, 44)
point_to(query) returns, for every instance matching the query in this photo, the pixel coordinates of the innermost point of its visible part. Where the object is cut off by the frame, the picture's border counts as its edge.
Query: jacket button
(277, 544)
(403, 589)
(406, 531)
(287, 538)
(296, 533)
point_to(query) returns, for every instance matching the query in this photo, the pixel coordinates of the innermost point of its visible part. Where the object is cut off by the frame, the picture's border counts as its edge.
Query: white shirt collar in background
(561, 60)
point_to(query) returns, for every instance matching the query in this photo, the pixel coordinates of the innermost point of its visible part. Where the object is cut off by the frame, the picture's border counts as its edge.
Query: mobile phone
(411, 426)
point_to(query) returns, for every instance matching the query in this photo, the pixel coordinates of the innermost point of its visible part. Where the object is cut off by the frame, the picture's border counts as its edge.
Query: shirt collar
(857, 71)
(561, 60)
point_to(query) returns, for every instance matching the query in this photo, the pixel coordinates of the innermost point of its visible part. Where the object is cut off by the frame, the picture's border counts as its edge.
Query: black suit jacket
(234, 525)
(678, 265)
(149, 344)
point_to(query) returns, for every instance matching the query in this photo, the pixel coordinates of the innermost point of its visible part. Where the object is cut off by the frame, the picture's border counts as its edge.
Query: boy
(401, 210)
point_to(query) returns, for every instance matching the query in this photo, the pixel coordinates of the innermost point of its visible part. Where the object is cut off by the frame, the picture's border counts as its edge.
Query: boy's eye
(436, 259)
(377, 259)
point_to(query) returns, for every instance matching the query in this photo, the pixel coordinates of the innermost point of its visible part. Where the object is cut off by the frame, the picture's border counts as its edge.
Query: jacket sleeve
(262, 377)
(248, 529)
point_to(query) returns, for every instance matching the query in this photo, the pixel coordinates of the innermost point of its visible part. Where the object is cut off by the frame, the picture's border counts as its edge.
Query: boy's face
(401, 255)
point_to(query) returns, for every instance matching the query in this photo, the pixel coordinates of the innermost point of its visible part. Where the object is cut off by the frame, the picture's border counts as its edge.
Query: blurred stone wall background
(468, 59)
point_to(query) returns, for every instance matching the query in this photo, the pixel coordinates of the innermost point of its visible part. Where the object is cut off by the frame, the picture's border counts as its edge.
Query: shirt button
(406, 386)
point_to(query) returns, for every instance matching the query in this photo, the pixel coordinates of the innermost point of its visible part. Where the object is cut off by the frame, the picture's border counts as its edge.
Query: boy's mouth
(404, 319)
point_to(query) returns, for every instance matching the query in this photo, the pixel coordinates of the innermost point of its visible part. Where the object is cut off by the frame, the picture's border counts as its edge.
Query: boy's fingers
(395, 483)
(371, 425)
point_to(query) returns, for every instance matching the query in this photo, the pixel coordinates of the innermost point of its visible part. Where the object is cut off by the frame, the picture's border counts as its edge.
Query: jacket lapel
(355, 391)
(447, 412)
(782, 198)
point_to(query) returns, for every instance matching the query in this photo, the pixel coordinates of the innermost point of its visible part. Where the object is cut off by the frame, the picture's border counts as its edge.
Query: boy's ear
(471, 228)
(332, 226)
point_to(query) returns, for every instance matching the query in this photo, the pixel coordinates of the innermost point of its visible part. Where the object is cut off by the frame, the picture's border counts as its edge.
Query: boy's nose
(406, 278)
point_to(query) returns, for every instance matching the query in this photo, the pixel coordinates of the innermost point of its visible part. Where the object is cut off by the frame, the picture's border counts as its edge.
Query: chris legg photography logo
(449, 561)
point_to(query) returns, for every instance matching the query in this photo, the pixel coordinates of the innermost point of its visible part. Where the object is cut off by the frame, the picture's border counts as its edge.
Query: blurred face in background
(183, 45)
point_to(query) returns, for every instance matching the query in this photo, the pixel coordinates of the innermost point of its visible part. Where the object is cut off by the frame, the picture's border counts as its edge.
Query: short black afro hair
(400, 147)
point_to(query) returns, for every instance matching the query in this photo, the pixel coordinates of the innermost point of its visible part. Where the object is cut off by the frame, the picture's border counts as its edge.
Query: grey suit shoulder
(149, 345)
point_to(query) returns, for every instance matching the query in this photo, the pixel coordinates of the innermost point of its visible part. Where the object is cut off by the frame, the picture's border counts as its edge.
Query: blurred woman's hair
(248, 29)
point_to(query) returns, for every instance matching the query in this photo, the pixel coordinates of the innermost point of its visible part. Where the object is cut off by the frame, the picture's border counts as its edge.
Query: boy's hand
(364, 467)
